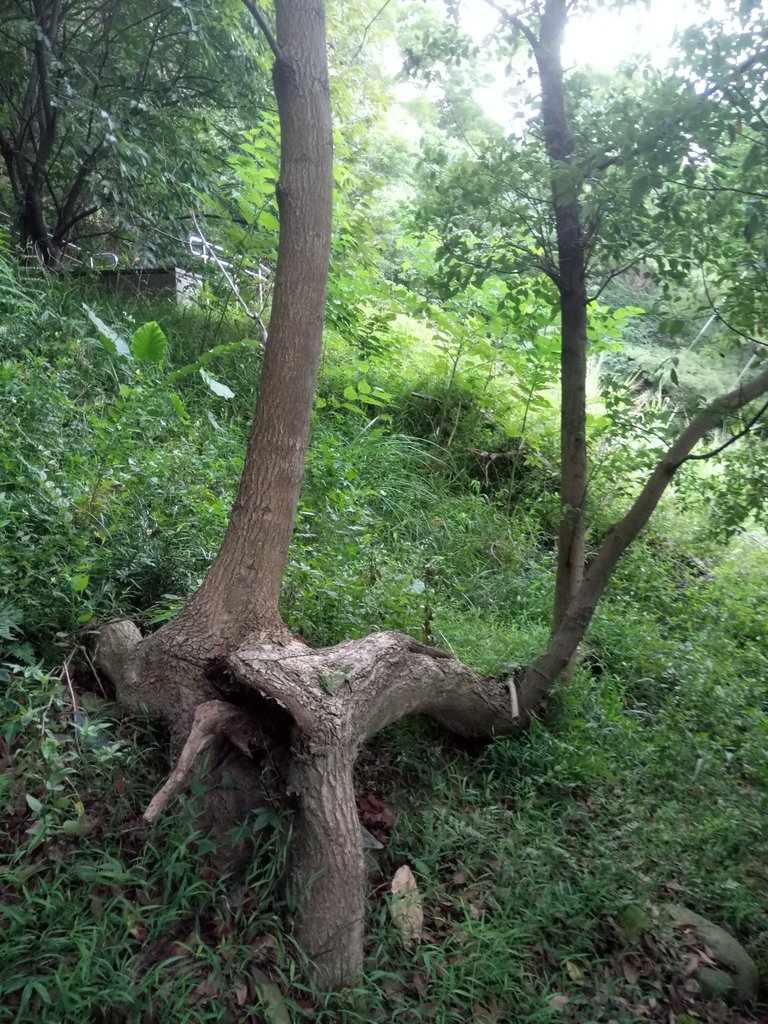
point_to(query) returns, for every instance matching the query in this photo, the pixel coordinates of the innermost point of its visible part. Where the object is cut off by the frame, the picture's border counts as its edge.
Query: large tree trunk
(227, 675)
(28, 154)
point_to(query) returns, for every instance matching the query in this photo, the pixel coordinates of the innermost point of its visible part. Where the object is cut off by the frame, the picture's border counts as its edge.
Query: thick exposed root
(365, 685)
(330, 701)
(212, 719)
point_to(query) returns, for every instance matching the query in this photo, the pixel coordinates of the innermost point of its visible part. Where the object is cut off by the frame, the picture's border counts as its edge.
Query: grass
(533, 856)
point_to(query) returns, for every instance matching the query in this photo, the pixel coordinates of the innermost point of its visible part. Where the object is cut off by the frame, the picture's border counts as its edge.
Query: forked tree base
(321, 706)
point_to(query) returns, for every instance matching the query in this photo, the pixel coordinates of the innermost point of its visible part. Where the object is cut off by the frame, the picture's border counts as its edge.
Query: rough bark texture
(240, 594)
(333, 700)
(212, 718)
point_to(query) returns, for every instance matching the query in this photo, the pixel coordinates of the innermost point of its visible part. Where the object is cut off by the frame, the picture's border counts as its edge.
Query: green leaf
(149, 343)
(34, 804)
(10, 620)
(79, 582)
(206, 357)
(178, 405)
(265, 817)
(216, 386)
(350, 393)
(110, 339)
(354, 408)
(269, 221)
(24, 653)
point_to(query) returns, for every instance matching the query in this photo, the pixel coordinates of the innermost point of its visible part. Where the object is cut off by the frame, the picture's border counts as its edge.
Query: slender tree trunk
(569, 633)
(572, 285)
(240, 594)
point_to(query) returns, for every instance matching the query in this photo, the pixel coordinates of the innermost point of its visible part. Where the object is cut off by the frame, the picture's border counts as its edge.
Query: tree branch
(263, 24)
(731, 440)
(373, 20)
(365, 685)
(516, 22)
(721, 318)
(611, 275)
(538, 677)
(740, 69)
(61, 233)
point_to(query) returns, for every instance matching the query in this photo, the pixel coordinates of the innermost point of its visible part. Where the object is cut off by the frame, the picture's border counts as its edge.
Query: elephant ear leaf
(149, 343)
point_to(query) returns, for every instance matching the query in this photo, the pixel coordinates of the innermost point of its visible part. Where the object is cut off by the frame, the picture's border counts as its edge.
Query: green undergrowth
(533, 856)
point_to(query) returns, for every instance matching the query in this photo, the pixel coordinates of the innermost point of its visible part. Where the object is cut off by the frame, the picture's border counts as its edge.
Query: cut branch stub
(116, 646)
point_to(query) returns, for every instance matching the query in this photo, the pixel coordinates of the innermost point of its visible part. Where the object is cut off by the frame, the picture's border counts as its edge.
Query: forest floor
(544, 864)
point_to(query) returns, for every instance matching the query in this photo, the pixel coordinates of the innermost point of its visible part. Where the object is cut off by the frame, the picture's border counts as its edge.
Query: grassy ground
(543, 862)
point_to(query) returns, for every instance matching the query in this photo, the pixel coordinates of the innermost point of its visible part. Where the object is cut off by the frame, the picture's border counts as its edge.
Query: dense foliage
(115, 118)
(429, 506)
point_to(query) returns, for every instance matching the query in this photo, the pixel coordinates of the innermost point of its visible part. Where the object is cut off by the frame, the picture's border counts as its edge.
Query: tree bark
(333, 700)
(572, 286)
(539, 676)
(240, 594)
(570, 277)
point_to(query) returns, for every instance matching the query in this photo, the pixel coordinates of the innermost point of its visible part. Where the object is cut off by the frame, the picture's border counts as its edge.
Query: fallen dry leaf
(573, 971)
(406, 908)
(558, 1002)
(630, 972)
(421, 984)
(691, 965)
(706, 957)
(205, 990)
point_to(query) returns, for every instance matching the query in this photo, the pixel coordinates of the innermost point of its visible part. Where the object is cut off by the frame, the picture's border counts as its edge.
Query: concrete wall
(128, 281)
